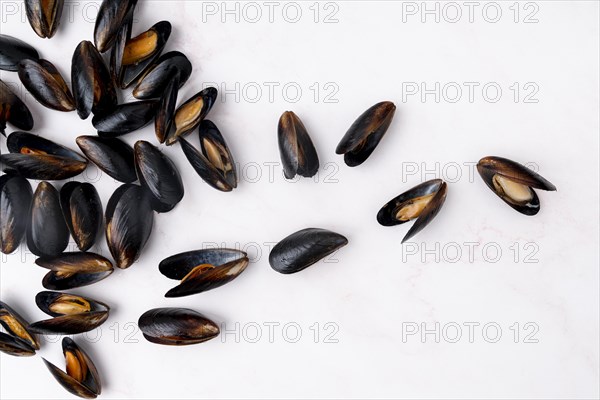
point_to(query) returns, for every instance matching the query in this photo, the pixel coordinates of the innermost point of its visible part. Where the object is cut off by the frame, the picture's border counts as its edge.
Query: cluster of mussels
(47, 217)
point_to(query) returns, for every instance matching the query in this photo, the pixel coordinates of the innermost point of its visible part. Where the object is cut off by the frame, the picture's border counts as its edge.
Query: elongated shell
(82, 209)
(118, 49)
(166, 111)
(110, 19)
(13, 110)
(154, 82)
(17, 340)
(44, 16)
(46, 84)
(111, 155)
(73, 270)
(365, 133)
(12, 51)
(125, 118)
(14, 346)
(191, 113)
(47, 234)
(15, 206)
(304, 248)
(298, 154)
(177, 326)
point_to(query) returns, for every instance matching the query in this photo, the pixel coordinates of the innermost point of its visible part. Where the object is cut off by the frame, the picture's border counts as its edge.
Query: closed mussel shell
(46, 84)
(13, 110)
(298, 154)
(125, 118)
(82, 209)
(12, 51)
(166, 111)
(129, 220)
(17, 340)
(177, 326)
(111, 155)
(15, 206)
(304, 248)
(191, 113)
(44, 16)
(73, 270)
(118, 49)
(111, 17)
(153, 83)
(159, 176)
(47, 234)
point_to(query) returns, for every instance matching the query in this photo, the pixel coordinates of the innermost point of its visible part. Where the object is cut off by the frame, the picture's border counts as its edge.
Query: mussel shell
(46, 84)
(82, 210)
(153, 84)
(14, 346)
(166, 111)
(129, 220)
(73, 270)
(15, 206)
(118, 49)
(93, 87)
(125, 118)
(16, 327)
(13, 110)
(298, 154)
(47, 233)
(44, 16)
(208, 97)
(229, 264)
(177, 326)
(159, 176)
(34, 157)
(12, 51)
(111, 155)
(111, 17)
(304, 248)
(365, 133)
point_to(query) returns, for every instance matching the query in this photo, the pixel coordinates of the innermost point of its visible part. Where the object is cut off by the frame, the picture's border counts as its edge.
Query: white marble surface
(378, 291)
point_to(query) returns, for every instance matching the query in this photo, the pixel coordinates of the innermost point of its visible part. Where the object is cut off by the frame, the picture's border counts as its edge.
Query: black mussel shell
(365, 133)
(111, 17)
(159, 176)
(17, 337)
(166, 110)
(111, 155)
(73, 270)
(34, 157)
(47, 233)
(12, 51)
(129, 220)
(118, 49)
(304, 248)
(82, 209)
(423, 202)
(177, 326)
(14, 346)
(513, 183)
(15, 206)
(190, 114)
(125, 118)
(203, 270)
(82, 378)
(44, 16)
(46, 84)
(93, 87)
(298, 154)
(13, 110)
(153, 84)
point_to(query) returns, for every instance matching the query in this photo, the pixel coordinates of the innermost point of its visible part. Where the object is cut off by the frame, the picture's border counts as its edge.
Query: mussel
(15, 206)
(72, 314)
(73, 270)
(298, 154)
(365, 133)
(304, 248)
(46, 84)
(118, 48)
(111, 17)
(191, 113)
(125, 118)
(13, 110)
(44, 16)
(203, 270)
(423, 202)
(129, 220)
(177, 326)
(513, 183)
(47, 233)
(82, 209)
(81, 377)
(213, 162)
(166, 111)
(34, 157)
(12, 51)
(17, 341)
(159, 176)
(111, 155)
(171, 66)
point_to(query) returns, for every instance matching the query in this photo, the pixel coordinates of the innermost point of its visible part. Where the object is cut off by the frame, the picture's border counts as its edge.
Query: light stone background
(371, 295)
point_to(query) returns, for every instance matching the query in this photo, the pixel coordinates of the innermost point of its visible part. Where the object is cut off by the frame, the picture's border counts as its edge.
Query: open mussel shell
(81, 377)
(12, 51)
(213, 162)
(190, 114)
(365, 133)
(513, 183)
(298, 154)
(46, 84)
(111, 17)
(34, 157)
(111, 155)
(129, 220)
(93, 87)
(13, 110)
(125, 118)
(14, 346)
(153, 83)
(159, 176)
(304, 248)
(423, 202)
(82, 209)
(17, 340)
(177, 326)
(72, 314)
(44, 16)
(203, 270)
(74, 270)
(47, 233)
(15, 206)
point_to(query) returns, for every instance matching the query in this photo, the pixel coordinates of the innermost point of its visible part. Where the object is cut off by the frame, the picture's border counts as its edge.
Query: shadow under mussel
(112, 15)
(46, 84)
(154, 82)
(177, 326)
(17, 340)
(74, 270)
(82, 210)
(125, 118)
(191, 113)
(13, 110)
(13, 51)
(44, 16)
(47, 233)
(15, 207)
(298, 154)
(111, 155)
